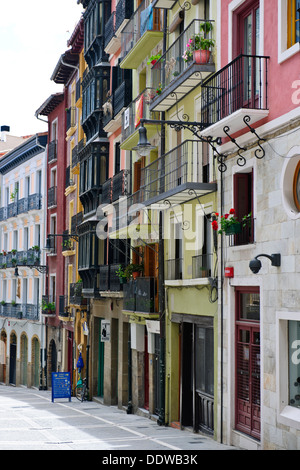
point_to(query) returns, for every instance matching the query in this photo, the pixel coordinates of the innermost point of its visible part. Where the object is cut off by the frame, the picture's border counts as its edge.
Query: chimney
(3, 131)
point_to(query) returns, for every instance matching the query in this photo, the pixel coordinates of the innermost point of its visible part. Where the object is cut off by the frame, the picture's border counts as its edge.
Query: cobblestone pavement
(29, 420)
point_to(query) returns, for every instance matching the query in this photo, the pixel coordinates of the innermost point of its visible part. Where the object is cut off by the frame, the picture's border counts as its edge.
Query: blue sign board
(61, 385)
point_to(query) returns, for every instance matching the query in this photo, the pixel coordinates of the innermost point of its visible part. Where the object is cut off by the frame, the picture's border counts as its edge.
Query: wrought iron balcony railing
(202, 265)
(32, 202)
(109, 281)
(71, 117)
(52, 196)
(174, 269)
(131, 118)
(24, 311)
(144, 19)
(246, 235)
(169, 172)
(243, 83)
(193, 46)
(140, 294)
(52, 151)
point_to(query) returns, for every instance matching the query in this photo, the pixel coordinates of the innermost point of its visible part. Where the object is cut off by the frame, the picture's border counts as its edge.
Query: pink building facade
(252, 104)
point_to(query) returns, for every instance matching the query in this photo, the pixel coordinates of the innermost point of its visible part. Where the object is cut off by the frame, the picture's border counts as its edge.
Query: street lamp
(143, 147)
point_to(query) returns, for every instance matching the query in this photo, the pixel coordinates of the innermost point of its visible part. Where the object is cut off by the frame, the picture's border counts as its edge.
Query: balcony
(109, 281)
(141, 34)
(178, 72)
(246, 235)
(22, 206)
(76, 297)
(176, 176)
(115, 105)
(138, 108)
(115, 24)
(20, 258)
(202, 265)
(239, 89)
(71, 117)
(140, 295)
(52, 197)
(19, 311)
(52, 151)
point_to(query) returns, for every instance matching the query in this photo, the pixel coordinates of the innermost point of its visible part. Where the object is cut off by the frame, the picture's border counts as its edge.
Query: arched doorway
(12, 359)
(35, 348)
(24, 359)
(3, 345)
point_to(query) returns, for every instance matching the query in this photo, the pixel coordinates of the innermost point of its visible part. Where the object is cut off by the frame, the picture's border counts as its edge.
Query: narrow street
(29, 420)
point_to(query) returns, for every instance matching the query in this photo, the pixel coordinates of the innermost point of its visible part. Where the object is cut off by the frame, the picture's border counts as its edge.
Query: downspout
(43, 352)
(161, 274)
(222, 314)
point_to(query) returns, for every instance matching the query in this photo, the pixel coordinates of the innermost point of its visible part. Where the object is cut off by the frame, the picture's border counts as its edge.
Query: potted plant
(48, 307)
(153, 59)
(121, 275)
(229, 223)
(133, 270)
(13, 251)
(14, 261)
(3, 302)
(13, 302)
(159, 89)
(67, 244)
(198, 46)
(35, 248)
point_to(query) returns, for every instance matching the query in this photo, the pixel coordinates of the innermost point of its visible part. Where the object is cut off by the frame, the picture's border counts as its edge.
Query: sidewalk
(30, 420)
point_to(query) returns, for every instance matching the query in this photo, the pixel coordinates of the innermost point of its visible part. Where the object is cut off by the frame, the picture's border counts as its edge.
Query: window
(294, 363)
(293, 22)
(288, 367)
(243, 204)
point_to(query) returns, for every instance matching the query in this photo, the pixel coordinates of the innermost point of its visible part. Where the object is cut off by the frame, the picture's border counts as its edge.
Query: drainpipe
(161, 274)
(222, 310)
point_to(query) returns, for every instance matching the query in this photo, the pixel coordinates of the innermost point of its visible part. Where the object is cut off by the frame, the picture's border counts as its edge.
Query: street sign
(61, 385)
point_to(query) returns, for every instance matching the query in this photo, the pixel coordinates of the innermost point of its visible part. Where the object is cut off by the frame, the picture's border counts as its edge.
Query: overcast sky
(33, 35)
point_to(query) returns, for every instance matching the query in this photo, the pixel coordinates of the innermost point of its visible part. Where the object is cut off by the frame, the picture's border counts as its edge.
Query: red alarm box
(229, 272)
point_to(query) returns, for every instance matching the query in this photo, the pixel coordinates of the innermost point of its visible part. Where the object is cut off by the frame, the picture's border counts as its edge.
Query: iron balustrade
(75, 221)
(106, 195)
(122, 96)
(71, 117)
(130, 122)
(109, 280)
(52, 151)
(76, 297)
(243, 83)
(178, 166)
(144, 19)
(246, 236)
(120, 184)
(29, 203)
(202, 265)
(172, 63)
(140, 294)
(109, 29)
(78, 89)
(174, 269)
(75, 159)
(124, 10)
(24, 311)
(52, 196)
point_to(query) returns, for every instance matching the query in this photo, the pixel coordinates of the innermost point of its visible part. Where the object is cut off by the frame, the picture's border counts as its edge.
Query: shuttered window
(248, 362)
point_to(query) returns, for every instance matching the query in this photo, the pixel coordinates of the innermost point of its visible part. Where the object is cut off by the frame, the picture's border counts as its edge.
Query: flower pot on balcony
(233, 229)
(135, 274)
(201, 56)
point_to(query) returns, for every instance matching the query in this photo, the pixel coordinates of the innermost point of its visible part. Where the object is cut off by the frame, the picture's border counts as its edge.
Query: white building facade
(22, 262)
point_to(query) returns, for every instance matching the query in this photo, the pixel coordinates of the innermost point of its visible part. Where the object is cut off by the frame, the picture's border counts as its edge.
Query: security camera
(255, 265)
